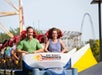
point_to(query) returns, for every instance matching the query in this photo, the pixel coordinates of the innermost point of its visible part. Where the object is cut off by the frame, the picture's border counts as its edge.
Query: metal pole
(100, 36)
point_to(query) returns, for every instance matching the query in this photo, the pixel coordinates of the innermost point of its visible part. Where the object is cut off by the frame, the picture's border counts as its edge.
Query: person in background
(54, 44)
(16, 57)
(0, 46)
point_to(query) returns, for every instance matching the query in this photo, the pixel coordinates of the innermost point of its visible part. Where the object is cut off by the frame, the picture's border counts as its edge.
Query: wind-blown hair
(49, 33)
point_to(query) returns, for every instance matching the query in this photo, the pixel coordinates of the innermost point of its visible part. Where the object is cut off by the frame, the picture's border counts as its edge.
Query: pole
(100, 35)
(20, 16)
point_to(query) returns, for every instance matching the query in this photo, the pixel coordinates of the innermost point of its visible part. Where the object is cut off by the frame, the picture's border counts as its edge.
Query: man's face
(30, 33)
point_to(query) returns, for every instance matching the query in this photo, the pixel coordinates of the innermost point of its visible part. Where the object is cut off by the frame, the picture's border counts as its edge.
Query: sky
(66, 15)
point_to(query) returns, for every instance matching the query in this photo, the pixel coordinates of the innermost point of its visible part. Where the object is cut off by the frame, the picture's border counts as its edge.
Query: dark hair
(29, 28)
(51, 30)
(34, 32)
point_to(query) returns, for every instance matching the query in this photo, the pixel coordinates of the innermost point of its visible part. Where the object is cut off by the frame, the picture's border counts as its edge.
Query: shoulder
(48, 41)
(60, 41)
(22, 41)
(35, 40)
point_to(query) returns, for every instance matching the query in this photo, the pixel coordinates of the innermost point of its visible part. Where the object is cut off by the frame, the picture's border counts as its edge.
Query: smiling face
(30, 33)
(54, 34)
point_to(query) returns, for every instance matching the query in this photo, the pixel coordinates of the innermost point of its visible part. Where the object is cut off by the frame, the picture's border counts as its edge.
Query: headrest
(24, 33)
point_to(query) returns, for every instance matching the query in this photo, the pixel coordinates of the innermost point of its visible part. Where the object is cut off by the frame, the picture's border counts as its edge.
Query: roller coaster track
(91, 23)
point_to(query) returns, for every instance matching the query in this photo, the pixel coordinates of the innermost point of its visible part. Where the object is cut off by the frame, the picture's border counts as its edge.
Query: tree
(4, 36)
(94, 44)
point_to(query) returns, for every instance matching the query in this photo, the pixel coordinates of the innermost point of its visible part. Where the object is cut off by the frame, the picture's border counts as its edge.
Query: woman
(54, 43)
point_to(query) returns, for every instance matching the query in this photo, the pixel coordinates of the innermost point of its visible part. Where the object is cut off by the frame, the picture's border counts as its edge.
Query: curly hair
(51, 31)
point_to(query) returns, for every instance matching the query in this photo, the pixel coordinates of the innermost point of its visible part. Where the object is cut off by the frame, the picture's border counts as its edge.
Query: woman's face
(54, 34)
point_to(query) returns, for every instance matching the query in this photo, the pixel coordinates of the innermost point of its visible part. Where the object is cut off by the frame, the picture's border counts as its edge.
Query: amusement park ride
(53, 63)
(19, 12)
(71, 39)
(48, 60)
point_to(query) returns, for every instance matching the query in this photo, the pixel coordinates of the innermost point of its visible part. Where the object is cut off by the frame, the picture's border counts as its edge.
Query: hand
(24, 53)
(34, 52)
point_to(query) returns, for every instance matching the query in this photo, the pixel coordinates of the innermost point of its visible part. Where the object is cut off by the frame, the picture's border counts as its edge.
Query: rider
(54, 43)
(29, 45)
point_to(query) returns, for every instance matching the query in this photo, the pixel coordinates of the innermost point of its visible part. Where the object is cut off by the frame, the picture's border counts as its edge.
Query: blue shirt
(54, 47)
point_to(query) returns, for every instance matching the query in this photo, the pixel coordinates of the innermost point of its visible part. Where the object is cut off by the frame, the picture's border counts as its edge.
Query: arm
(13, 52)
(63, 47)
(2, 50)
(39, 50)
(20, 47)
(22, 51)
(46, 46)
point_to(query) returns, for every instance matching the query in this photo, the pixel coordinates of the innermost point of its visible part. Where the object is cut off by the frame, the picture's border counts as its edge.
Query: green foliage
(4, 36)
(15, 31)
(95, 47)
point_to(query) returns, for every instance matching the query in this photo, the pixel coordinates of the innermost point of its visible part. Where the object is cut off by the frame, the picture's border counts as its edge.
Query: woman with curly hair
(54, 44)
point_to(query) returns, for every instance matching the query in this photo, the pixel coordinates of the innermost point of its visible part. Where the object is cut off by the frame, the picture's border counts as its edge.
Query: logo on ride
(43, 57)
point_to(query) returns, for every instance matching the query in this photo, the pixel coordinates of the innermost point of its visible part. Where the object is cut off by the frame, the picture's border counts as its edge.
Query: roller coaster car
(50, 63)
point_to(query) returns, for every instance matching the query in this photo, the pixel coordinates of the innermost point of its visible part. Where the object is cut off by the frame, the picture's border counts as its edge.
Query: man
(29, 45)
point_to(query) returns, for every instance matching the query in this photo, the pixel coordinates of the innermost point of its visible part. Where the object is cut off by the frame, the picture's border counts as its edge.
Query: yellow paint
(38, 57)
(86, 61)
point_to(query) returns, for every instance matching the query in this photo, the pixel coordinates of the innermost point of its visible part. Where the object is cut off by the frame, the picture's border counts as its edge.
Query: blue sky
(64, 14)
